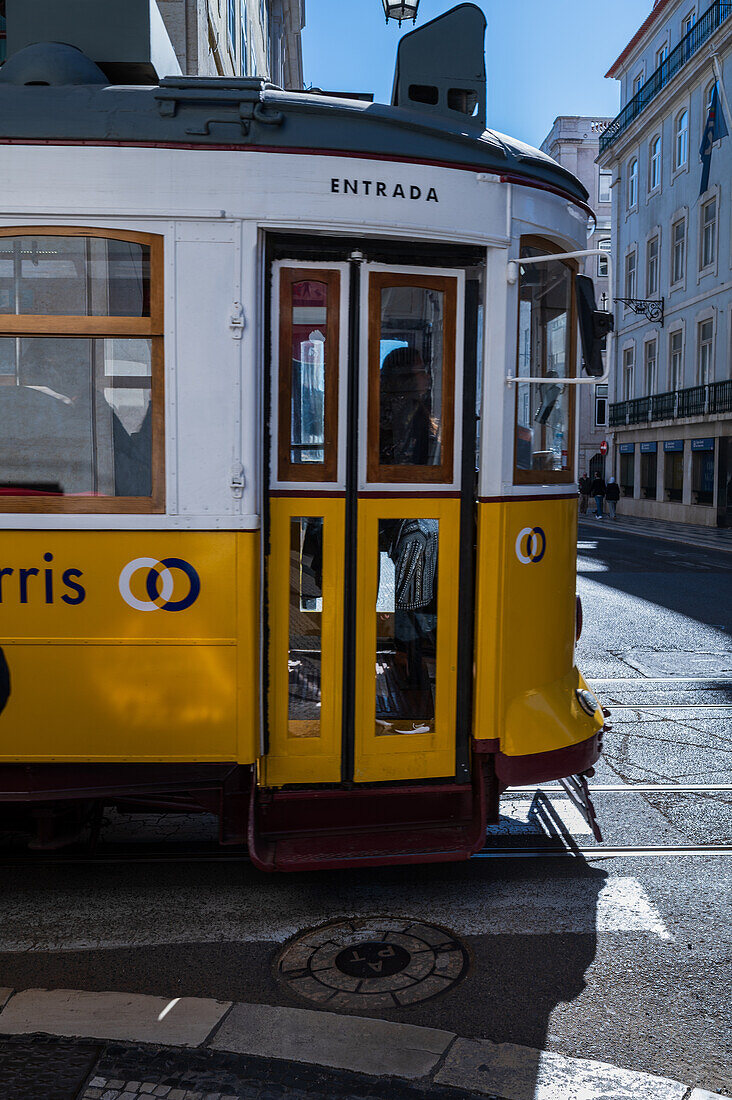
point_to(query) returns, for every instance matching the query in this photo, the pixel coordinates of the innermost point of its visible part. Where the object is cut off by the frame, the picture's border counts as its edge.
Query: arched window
(632, 184)
(602, 269)
(708, 97)
(681, 144)
(81, 371)
(654, 164)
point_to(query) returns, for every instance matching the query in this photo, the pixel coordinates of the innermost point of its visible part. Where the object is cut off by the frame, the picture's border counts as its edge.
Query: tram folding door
(363, 553)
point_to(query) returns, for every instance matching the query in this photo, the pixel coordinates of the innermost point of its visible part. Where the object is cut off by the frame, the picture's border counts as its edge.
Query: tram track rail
(499, 852)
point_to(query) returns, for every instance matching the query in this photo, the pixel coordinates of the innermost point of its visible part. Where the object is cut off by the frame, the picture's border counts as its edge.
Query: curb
(665, 536)
(376, 1048)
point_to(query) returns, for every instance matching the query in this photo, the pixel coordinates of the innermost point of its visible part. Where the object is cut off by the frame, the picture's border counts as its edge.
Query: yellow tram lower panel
(104, 663)
(525, 675)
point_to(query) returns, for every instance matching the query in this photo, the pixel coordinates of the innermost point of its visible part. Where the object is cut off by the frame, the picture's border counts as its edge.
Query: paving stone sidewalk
(122, 1046)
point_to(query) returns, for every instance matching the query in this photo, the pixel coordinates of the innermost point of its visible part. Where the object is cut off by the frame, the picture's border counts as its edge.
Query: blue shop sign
(702, 444)
(673, 445)
(649, 448)
(627, 448)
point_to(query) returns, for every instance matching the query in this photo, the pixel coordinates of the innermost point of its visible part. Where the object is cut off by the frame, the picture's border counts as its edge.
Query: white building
(238, 38)
(671, 409)
(574, 141)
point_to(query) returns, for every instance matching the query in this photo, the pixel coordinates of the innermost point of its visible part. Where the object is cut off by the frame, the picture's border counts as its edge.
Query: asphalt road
(626, 960)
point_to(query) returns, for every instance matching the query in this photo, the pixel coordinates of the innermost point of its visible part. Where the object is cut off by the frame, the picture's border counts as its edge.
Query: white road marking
(120, 914)
(538, 819)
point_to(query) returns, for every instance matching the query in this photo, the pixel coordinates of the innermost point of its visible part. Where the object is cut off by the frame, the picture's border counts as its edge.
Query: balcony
(703, 29)
(694, 401)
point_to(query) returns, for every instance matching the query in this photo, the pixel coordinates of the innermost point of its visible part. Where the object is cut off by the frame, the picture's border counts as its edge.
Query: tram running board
(578, 793)
(365, 848)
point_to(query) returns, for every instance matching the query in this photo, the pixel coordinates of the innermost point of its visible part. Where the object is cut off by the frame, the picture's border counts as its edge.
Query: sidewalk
(709, 538)
(73, 1045)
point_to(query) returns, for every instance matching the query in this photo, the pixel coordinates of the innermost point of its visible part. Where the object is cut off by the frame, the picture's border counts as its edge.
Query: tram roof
(250, 113)
(64, 92)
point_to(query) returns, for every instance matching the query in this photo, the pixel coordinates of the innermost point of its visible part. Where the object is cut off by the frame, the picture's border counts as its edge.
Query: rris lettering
(26, 590)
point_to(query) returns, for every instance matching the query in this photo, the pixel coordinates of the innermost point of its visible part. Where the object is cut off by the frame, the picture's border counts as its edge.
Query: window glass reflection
(307, 413)
(75, 416)
(410, 377)
(544, 341)
(306, 618)
(406, 626)
(74, 276)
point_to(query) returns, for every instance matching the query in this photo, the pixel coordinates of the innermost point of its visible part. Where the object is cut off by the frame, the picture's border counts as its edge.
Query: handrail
(512, 274)
(703, 29)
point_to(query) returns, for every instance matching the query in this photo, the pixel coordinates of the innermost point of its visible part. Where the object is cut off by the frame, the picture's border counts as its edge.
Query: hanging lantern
(406, 9)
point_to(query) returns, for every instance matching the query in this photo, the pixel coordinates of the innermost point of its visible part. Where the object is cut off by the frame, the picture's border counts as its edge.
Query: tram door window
(546, 335)
(364, 519)
(308, 375)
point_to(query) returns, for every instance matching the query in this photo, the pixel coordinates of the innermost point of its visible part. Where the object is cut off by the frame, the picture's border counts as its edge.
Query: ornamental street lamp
(406, 9)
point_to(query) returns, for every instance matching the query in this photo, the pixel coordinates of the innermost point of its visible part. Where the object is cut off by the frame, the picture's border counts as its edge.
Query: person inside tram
(407, 431)
(409, 437)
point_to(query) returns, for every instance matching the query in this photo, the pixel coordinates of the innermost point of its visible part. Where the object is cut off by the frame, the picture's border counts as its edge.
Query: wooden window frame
(549, 477)
(287, 470)
(376, 472)
(79, 327)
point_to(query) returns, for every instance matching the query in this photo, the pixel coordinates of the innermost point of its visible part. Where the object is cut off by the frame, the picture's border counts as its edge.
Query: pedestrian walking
(597, 490)
(612, 496)
(584, 494)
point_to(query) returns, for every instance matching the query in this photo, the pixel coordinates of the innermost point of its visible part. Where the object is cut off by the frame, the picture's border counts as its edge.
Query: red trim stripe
(460, 166)
(537, 496)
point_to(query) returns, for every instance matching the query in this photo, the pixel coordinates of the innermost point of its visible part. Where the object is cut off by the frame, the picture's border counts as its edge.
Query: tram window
(80, 372)
(75, 417)
(546, 334)
(406, 626)
(424, 93)
(411, 378)
(308, 379)
(306, 618)
(74, 276)
(464, 100)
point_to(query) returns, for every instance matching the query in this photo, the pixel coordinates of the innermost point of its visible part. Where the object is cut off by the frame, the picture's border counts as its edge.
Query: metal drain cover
(380, 963)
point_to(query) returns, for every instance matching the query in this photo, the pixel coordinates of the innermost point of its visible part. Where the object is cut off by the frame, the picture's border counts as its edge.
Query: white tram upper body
(227, 194)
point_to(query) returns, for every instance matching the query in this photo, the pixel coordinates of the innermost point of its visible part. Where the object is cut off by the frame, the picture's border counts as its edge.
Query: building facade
(574, 142)
(238, 38)
(671, 389)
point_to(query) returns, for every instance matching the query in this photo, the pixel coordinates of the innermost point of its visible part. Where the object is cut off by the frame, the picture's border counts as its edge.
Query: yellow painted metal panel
(116, 655)
(120, 703)
(406, 756)
(525, 623)
(298, 754)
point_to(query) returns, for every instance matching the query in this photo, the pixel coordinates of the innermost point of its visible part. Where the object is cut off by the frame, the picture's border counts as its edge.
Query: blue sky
(544, 57)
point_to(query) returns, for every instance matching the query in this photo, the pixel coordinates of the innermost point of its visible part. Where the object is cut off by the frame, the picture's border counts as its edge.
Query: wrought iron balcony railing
(704, 27)
(694, 401)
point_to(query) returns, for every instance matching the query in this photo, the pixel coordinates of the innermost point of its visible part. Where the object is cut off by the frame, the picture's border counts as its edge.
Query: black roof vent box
(440, 67)
(126, 39)
(51, 63)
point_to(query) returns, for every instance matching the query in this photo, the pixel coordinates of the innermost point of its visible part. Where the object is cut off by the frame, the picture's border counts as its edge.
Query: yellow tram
(287, 455)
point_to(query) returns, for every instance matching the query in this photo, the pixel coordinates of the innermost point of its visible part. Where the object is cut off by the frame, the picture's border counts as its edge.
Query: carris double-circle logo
(160, 584)
(530, 545)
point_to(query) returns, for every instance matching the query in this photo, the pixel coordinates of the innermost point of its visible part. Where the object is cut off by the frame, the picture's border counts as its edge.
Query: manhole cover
(381, 963)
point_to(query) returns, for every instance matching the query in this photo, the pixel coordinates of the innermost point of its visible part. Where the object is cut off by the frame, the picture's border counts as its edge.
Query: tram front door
(363, 528)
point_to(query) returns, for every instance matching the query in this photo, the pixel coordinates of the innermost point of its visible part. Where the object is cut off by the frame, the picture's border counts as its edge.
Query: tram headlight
(586, 700)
